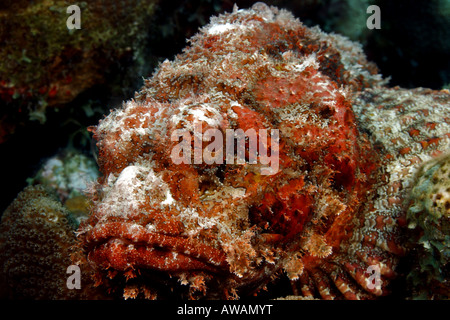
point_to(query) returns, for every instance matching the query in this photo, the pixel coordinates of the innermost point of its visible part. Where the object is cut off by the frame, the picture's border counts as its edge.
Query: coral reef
(429, 218)
(223, 230)
(67, 173)
(43, 64)
(37, 238)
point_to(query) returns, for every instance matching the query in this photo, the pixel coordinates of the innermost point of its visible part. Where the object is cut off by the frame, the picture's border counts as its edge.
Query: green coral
(429, 218)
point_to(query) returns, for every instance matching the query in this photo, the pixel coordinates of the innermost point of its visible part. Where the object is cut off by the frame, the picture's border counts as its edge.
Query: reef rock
(328, 212)
(44, 64)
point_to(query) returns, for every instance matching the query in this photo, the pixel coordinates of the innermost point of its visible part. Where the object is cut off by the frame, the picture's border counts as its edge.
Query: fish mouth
(123, 246)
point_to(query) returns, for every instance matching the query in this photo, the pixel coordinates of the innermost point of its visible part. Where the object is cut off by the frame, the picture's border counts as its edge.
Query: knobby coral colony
(347, 151)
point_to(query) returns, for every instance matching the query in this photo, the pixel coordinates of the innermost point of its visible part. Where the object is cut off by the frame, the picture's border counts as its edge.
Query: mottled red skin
(119, 256)
(334, 163)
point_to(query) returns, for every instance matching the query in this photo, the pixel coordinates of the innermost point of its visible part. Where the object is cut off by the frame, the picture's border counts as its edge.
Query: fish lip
(125, 245)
